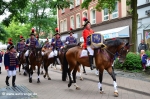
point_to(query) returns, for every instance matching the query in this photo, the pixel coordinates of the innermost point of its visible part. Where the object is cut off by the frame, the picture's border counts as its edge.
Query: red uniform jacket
(85, 34)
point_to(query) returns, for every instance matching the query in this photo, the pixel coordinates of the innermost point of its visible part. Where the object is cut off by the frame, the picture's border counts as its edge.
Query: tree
(110, 4)
(3, 34)
(16, 29)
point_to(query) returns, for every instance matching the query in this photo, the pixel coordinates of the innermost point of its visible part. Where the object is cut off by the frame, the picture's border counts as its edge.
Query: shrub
(132, 62)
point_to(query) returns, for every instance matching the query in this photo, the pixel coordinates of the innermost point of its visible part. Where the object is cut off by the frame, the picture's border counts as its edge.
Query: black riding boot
(0, 70)
(55, 58)
(91, 62)
(13, 81)
(7, 83)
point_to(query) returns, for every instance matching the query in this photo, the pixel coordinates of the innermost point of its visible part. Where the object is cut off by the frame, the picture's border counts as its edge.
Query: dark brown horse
(35, 59)
(103, 60)
(22, 62)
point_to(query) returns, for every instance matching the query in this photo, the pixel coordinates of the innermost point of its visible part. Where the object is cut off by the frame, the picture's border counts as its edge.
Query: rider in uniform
(10, 63)
(86, 32)
(32, 42)
(47, 45)
(70, 39)
(57, 44)
(21, 45)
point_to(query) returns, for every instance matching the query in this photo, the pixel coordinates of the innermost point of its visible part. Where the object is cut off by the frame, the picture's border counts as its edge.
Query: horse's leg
(69, 74)
(84, 70)
(42, 68)
(79, 67)
(45, 68)
(38, 73)
(30, 75)
(112, 74)
(19, 69)
(100, 80)
(74, 77)
(47, 73)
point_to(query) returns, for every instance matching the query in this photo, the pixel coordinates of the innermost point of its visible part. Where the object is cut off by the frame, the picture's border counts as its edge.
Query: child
(144, 59)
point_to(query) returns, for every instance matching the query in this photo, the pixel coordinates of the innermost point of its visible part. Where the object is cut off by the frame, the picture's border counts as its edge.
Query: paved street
(56, 89)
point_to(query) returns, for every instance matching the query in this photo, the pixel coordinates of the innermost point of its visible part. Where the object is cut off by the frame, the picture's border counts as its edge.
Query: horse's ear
(127, 44)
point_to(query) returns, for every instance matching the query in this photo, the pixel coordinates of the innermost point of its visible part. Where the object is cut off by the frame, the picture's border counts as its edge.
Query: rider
(31, 43)
(47, 45)
(86, 32)
(21, 45)
(10, 63)
(57, 44)
(70, 39)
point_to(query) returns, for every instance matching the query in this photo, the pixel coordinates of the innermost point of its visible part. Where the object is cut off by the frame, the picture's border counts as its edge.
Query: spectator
(144, 59)
(1, 55)
(142, 46)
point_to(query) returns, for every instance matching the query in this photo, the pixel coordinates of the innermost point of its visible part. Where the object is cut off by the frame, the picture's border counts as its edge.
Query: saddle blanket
(84, 53)
(51, 55)
(95, 40)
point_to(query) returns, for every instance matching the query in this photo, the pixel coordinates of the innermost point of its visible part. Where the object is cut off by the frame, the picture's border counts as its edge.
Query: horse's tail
(65, 68)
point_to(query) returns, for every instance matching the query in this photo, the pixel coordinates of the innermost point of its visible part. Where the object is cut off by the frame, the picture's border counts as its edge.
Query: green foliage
(132, 62)
(16, 29)
(148, 53)
(102, 4)
(3, 34)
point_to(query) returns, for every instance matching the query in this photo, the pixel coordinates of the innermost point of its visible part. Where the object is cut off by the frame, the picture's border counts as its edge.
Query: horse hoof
(116, 94)
(44, 76)
(38, 81)
(24, 74)
(69, 84)
(81, 79)
(78, 88)
(101, 92)
(49, 78)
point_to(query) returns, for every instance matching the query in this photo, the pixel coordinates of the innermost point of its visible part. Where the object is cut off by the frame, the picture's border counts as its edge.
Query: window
(65, 25)
(147, 1)
(105, 14)
(61, 26)
(77, 2)
(63, 10)
(115, 12)
(85, 14)
(72, 5)
(72, 22)
(93, 16)
(78, 21)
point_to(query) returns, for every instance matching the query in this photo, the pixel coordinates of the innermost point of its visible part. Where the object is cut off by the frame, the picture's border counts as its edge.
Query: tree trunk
(134, 26)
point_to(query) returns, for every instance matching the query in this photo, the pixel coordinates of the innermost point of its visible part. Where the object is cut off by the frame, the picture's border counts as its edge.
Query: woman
(86, 32)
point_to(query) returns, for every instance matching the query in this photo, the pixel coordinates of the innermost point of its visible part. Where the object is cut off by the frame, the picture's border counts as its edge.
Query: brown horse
(35, 59)
(22, 62)
(103, 60)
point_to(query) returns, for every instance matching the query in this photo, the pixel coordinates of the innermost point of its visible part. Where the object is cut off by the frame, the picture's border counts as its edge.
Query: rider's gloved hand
(67, 42)
(53, 42)
(61, 47)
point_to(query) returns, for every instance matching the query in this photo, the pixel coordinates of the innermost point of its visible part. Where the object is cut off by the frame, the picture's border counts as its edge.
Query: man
(142, 46)
(86, 32)
(70, 39)
(11, 64)
(57, 45)
(31, 43)
(47, 45)
(21, 45)
(1, 57)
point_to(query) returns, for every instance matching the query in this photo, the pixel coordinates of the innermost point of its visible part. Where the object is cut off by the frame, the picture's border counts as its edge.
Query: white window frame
(63, 10)
(61, 26)
(84, 16)
(116, 14)
(92, 20)
(77, 2)
(105, 15)
(72, 24)
(72, 5)
(78, 25)
(65, 25)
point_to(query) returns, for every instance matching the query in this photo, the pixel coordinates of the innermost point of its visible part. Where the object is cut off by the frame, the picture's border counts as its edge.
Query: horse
(103, 60)
(22, 61)
(35, 59)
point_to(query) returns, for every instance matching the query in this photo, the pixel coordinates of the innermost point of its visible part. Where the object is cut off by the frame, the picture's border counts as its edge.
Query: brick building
(117, 24)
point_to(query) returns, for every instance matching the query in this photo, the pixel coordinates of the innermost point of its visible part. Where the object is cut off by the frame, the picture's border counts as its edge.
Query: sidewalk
(57, 89)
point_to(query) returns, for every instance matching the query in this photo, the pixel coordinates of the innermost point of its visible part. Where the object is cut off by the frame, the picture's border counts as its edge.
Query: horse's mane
(115, 42)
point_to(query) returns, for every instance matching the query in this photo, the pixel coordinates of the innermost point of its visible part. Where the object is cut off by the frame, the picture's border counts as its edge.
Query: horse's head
(122, 51)
(38, 53)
